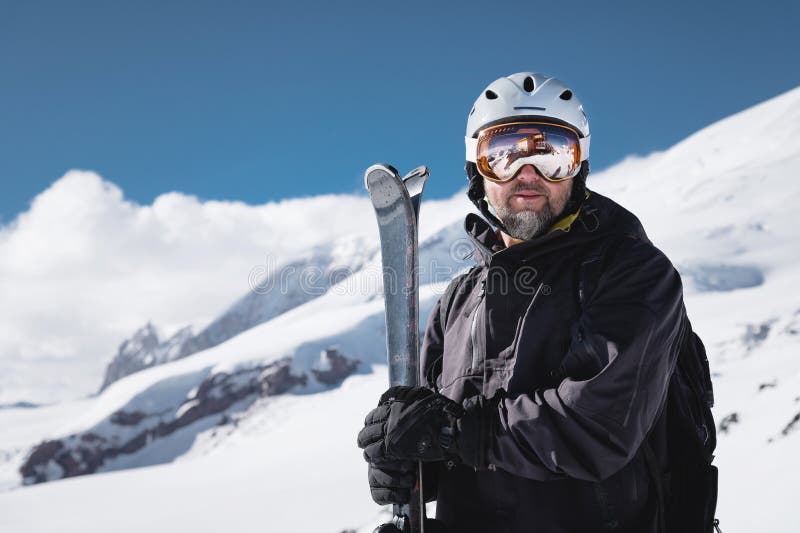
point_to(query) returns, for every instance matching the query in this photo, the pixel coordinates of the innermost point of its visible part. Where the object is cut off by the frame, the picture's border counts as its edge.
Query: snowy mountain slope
(729, 231)
(732, 183)
(274, 289)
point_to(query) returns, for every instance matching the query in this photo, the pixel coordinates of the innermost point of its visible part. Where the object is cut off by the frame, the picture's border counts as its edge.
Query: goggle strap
(584, 142)
(472, 149)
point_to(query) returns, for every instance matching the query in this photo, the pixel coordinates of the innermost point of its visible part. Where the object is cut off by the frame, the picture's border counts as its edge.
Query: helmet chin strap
(477, 194)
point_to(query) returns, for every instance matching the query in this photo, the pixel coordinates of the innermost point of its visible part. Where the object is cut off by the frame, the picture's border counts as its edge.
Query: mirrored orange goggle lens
(503, 150)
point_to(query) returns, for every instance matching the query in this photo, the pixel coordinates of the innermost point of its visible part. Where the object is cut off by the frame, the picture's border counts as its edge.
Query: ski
(415, 184)
(396, 202)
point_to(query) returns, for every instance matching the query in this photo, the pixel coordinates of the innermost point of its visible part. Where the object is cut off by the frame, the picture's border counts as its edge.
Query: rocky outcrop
(793, 424)
(333, 367)
(215, 399)
(727, 422)
(84, 453)
(127, 418)
(144, 350)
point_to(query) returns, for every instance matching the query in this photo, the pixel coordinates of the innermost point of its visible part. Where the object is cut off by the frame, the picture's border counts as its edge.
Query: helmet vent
(528, 84)
(566, 95)
(472, 112)
(491, 95)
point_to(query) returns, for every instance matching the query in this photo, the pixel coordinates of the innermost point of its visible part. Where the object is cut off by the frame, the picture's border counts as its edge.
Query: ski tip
(420, 172)
(378, 167)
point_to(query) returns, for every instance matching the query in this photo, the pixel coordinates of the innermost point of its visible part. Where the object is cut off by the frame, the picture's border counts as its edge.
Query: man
(544, 405)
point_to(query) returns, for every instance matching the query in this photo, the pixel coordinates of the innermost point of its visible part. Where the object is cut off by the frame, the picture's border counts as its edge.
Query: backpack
(687, 493)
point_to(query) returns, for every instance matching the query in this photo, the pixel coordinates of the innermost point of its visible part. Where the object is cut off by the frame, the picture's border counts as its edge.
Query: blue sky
(258, 101)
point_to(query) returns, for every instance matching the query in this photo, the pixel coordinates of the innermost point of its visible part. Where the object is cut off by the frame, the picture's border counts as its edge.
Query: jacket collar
(597, 217)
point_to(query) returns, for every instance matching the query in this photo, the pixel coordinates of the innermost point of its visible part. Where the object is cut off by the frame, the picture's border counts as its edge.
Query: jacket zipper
(474, 326)
(521, 326)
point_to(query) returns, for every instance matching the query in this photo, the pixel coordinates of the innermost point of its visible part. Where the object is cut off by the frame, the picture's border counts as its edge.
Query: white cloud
(84, 267)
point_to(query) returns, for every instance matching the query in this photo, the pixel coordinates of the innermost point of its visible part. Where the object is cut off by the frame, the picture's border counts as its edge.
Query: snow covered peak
(144, 350)
(143, 339)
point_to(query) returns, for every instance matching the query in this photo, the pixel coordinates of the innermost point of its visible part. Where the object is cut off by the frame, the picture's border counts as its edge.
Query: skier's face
(528, 204)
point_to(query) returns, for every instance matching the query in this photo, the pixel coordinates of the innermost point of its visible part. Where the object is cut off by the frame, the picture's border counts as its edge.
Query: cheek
(564, 191)
(493, 192)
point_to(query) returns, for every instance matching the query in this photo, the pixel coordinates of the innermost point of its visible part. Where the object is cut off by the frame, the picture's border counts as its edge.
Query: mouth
(527, 194)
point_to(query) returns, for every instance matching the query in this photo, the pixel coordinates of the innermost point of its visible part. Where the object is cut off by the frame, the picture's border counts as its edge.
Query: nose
(528, 173)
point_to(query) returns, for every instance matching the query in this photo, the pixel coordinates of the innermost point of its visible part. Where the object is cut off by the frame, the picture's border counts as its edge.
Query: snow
(261, 478)
(720, 205)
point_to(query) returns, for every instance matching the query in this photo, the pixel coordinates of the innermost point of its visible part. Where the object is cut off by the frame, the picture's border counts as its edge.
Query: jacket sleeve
(589, 427)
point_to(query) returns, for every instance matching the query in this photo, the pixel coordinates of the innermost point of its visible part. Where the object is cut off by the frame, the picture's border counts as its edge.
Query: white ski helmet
(527, 94)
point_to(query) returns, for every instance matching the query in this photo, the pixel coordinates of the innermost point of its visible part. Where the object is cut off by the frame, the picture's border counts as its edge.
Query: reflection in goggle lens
(504, 150)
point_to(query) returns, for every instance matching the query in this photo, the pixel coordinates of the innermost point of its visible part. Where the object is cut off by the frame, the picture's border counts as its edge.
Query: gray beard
(525, 225)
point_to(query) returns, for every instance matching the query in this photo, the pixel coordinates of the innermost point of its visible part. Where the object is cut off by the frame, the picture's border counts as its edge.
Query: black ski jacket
(581, 384)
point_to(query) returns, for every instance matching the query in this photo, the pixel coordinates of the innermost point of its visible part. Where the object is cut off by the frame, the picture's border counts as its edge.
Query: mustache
(524, 187)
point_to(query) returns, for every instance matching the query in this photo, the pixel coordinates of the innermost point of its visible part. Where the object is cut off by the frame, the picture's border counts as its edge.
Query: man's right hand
(391, 482)
(411, 424)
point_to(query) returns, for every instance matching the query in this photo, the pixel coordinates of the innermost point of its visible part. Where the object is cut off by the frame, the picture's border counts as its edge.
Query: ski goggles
(501, 151)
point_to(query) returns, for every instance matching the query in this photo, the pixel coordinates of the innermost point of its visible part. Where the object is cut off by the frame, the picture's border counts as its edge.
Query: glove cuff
(474, 430)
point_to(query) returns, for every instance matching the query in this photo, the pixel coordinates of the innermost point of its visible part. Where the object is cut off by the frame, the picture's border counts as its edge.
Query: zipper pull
(481, 294)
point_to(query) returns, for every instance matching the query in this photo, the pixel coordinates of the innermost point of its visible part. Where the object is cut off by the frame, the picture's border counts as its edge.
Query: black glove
(411, 423)
(391, 482)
